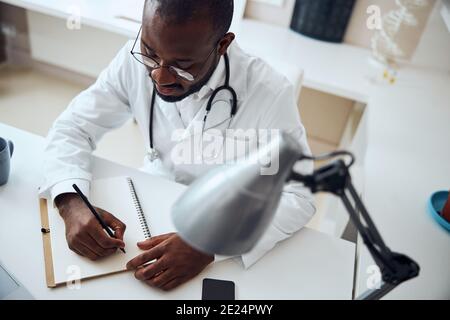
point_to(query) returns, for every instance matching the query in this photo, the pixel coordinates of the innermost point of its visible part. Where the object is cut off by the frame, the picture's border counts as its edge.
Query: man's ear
(225, 42)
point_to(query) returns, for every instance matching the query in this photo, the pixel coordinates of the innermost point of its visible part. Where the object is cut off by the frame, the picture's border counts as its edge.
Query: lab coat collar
(238, 74)
(170, 112)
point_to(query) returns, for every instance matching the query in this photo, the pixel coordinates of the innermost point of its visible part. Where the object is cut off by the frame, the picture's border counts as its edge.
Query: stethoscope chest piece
(152, 155)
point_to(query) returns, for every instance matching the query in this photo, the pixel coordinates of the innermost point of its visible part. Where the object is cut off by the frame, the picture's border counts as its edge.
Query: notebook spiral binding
(140, 212)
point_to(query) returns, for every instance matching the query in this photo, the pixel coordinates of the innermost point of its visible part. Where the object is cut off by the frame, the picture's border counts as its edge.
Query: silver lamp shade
(227, 210)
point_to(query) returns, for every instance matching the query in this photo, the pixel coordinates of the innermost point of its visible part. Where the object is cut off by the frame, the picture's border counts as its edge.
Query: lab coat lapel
(193, 126)
(169, 110)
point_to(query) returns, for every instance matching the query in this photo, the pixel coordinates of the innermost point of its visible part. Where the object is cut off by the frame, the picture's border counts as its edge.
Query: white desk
(338, 69)
(311, 265)
(407, 160)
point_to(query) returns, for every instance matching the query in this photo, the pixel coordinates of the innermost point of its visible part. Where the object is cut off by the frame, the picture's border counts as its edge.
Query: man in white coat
(179, 55)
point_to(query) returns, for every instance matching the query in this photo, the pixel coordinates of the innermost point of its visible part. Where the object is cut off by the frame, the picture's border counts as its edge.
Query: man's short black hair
(179, 11)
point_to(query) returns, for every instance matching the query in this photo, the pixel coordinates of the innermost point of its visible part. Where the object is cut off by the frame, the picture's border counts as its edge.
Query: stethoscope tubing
(225, 87)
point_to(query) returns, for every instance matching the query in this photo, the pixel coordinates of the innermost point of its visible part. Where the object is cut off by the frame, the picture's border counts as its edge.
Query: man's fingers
(103, 252)
(104, 240)
(118, 226)
(161, 279)
(76, 251)
(172, 284)
(151, 270)
(153, 241)
(119, 233)
(89, 248)
(86, 252)
(90, 242)
(147, 256)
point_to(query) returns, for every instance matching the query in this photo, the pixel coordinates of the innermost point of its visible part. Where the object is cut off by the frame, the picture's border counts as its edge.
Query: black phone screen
(218, 290)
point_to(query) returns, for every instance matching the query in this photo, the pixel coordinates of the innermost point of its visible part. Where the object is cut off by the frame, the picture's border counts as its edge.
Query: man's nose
(163, 77)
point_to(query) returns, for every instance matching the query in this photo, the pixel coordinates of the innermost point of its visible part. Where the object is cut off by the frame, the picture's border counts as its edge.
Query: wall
(433, 50)
(357, 33)
(408, 37)
(278, 15)
(45, 37)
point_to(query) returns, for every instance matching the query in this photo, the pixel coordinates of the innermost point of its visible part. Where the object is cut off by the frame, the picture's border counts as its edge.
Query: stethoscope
(153, 153)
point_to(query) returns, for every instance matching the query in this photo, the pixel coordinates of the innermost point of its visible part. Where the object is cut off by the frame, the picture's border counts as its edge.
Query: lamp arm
(335, 178)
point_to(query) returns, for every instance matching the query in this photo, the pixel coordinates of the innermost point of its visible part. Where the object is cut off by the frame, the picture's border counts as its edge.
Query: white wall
(239, 9)
(86, 51)
(446, 13)
(133, 10)
(434, 47)
(278, 14)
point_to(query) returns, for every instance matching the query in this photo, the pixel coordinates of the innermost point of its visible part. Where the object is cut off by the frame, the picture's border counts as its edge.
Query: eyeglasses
(152, 64)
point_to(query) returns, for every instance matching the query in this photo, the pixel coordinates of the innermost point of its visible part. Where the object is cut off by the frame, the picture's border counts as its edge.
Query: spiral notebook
(117, 196)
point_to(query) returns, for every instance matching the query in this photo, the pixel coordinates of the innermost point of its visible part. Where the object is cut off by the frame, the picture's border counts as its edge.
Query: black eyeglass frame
(188, 76)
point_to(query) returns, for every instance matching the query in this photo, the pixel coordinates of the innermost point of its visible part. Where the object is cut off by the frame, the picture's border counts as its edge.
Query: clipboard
(137, 230)
(47, 243)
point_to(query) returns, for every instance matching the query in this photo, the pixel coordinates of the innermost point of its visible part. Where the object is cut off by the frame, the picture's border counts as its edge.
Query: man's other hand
(176, 262)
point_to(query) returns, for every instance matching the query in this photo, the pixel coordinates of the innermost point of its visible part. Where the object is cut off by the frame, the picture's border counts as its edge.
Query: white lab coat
(266, 100)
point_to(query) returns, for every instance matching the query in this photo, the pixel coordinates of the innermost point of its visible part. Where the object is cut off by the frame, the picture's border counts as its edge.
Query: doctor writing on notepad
(183, 77)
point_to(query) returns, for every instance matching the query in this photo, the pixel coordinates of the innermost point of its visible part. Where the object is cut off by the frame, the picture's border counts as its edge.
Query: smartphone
(214, 289)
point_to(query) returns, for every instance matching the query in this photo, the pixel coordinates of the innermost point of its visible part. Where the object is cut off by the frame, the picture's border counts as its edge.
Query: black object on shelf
(2, 48)
(325, 20)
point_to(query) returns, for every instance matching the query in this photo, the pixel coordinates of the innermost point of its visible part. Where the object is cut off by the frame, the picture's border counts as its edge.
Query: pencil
(94, 212)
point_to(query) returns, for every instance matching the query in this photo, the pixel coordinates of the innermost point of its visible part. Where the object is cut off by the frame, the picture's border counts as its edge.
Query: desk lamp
(227, 210)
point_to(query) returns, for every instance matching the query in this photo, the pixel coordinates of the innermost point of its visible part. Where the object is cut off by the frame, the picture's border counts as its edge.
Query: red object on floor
(446, 210)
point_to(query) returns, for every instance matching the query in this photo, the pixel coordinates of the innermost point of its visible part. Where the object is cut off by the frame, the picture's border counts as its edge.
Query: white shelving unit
(445, 11)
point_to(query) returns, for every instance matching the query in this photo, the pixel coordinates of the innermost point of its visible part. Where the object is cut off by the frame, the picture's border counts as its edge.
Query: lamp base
(377, 294)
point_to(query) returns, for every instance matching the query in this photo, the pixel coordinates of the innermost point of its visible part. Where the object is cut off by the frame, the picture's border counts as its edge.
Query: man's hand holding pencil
(85, 235)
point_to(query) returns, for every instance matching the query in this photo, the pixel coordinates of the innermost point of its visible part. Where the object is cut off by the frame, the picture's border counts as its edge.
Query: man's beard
(195, 88)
